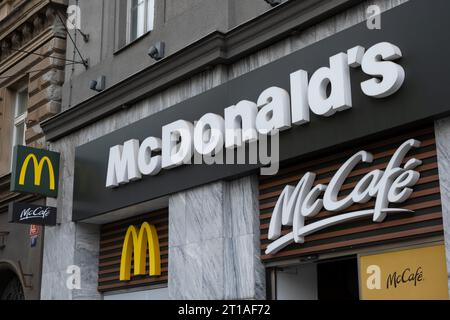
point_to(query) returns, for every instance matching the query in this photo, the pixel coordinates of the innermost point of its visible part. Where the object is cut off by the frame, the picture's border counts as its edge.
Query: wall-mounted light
(157, 51)
(99, 84)
(273, 3)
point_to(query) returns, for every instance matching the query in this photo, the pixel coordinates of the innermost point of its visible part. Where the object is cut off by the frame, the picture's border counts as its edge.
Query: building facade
(32, 63)
(355, 107)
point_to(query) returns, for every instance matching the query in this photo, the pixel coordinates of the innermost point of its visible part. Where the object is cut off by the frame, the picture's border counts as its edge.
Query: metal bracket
(25, 276)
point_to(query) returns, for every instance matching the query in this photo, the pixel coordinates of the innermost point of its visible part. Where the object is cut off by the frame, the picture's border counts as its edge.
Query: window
(140, 18)
(20, 114)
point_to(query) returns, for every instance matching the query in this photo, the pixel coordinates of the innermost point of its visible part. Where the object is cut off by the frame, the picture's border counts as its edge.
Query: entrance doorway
(338, 279)
(10, 286)
(335, 279)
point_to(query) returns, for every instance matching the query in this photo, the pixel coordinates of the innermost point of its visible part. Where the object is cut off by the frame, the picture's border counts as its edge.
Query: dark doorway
(338, 279)
(10, 286)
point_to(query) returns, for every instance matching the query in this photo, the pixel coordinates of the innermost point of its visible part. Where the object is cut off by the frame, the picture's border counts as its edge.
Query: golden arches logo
(147, 239)
(38, 167)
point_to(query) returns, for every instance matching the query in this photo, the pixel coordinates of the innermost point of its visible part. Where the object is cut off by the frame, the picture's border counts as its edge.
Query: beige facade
(30, 26)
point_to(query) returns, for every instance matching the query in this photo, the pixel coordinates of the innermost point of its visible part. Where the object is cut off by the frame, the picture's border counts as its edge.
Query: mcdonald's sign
(138, 244)
(35, 171)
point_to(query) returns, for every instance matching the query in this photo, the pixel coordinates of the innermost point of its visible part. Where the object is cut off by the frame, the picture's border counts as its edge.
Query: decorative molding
(212, 50)
(30, 24)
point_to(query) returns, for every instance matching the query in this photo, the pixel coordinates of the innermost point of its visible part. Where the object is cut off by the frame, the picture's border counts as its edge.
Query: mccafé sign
(137, 244)
(408, 273)
(26, 213)
(393, 185)
(35, 171)
(327, 91)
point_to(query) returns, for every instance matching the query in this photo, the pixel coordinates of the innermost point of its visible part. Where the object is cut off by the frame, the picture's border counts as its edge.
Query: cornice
(26, 25)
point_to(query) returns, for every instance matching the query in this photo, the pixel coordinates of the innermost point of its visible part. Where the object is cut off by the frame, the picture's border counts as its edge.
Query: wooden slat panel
(425, 201)
(346, 153)
(111, 242)
(367, 227)
(361, 241)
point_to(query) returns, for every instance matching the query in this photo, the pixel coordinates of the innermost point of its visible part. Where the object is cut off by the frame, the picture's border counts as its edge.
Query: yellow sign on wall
(412, 274)
(138, 244)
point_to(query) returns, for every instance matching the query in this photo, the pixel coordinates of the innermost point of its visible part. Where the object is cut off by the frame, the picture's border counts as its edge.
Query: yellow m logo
(147, 239)
(38, 167)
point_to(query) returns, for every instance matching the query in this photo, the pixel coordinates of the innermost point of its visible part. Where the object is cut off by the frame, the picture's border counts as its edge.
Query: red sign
(34, 230)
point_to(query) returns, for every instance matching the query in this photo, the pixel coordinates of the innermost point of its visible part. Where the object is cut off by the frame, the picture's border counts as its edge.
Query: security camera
(93, 85)
(157, 51)
(98, 85)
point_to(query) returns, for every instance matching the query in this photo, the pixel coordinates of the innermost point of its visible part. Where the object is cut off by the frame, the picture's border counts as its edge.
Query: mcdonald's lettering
(138, 244)
(35, 171)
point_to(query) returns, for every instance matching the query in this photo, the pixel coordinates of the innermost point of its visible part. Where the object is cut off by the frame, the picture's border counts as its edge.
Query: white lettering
(327, 91)
(177, 144)
(123, 164)
(274, 114)
(388, 75)
(295, 204)
(240, 124)
(337, 79)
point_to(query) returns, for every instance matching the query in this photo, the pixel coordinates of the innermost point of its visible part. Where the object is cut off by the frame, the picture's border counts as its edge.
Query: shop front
(347, 245)
(320, 175)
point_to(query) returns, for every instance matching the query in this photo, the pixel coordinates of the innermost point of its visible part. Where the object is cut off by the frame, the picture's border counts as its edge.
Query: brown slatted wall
(425, 200)
(111, 242)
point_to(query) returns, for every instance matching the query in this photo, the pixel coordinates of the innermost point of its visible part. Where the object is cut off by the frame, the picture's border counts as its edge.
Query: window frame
(19, 119)
(147, 27)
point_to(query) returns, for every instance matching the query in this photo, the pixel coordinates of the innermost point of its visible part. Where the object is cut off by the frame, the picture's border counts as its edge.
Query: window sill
(130, 44)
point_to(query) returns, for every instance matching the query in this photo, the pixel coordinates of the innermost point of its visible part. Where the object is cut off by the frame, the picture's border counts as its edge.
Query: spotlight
(98, 85)
(157, 51)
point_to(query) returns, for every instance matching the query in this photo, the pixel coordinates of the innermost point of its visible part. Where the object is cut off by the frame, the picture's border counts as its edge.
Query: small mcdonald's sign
(35, 171)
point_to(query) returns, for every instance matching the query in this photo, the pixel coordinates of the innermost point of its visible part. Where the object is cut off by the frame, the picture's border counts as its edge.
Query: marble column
(442, 131)
(69, 244)
(214, 250)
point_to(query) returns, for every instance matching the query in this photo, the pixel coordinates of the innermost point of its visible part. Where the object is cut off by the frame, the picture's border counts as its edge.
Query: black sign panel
(418, 28)
(35, 171)
(25, 213)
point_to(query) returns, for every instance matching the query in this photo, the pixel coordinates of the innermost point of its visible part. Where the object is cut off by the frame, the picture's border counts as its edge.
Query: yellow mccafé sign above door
(411, 274)
(35, 171)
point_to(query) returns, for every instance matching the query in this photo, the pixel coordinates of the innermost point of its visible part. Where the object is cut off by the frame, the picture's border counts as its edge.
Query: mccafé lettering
(393, 185)
(405, 277)
(275, 110)
(31, 213)
(27, 213)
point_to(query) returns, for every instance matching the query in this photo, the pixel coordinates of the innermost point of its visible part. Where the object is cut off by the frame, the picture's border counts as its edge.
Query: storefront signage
(106, 167)
(413, 274)
(138, 244)
(275, 110)
(35, 171)
(295, 204)
(25, 213)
